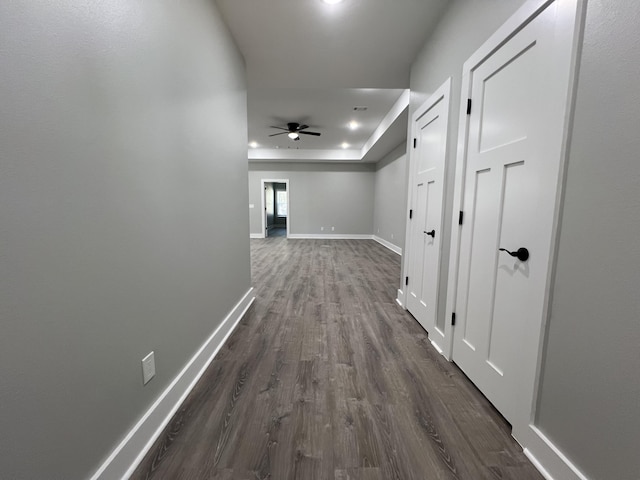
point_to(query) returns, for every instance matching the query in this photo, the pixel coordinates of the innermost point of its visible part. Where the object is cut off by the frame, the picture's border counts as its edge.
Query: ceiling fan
(294, 130)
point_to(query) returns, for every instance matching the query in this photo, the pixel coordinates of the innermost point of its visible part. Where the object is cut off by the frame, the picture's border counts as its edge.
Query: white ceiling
(309, 62)
(327, 111)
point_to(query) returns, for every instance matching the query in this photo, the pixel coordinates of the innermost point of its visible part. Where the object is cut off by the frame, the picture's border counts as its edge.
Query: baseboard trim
(537, 464)
(400, 299)
(329, 236)
(389, 245)
(256, 235)
(339, 236)
(437, 347)
(131, 450)
(547, 457)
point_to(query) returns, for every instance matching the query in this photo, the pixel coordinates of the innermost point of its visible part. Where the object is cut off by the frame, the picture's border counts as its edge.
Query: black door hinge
(415, 142)
(468, 106)
(406, 280)
(410, 214)
(453, 319)
(460, 217)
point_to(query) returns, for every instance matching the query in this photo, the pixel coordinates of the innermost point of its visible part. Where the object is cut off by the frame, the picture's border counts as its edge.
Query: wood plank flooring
(327, 378)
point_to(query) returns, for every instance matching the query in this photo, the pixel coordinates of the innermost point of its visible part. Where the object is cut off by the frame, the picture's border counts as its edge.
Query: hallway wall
(590, 388)
(390, 205)
(590, 392)
(320, 195)
(123, 129)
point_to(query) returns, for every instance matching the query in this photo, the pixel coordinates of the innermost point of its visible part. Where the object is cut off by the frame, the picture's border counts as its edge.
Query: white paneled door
(427, 180)
(515, 134)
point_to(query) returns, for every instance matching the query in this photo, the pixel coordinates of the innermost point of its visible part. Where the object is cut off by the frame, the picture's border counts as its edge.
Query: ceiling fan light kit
(294, 130)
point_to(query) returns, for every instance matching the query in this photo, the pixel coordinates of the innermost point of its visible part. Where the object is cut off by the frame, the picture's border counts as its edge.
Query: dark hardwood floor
(327, 378)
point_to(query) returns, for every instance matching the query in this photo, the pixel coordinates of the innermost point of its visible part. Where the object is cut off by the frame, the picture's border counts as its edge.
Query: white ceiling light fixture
(353, 125)
(253, 144)
(293, 135)
(331, 2)
(345, 145)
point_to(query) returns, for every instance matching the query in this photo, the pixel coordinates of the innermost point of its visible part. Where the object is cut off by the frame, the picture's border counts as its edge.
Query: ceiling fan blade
(302, 127)
(280, 128)
(281, 133)
(315, 134)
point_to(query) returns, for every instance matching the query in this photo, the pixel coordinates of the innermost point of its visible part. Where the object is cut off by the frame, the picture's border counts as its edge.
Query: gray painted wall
(320, 195)
(590, 395)
(464, 27)
(390, 204)
(123, 127)
(590, 390)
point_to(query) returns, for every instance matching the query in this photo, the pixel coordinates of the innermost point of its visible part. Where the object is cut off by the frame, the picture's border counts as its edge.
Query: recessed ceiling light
(353, 125)
(331, 2)
(253, 144)
(345, 145)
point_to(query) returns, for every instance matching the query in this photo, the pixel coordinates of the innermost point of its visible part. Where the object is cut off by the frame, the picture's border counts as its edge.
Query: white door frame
(546, 456)
(442, 94)
(263, 214)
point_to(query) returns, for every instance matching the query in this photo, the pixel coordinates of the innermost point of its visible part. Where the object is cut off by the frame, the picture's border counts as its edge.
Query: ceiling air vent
(360, 109)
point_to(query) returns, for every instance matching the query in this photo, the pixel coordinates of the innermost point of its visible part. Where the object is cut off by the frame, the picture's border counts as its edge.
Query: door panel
(494, 131)
(511, 277)
(430, 131)
(483, 222)
(416, 303)
(510, 190)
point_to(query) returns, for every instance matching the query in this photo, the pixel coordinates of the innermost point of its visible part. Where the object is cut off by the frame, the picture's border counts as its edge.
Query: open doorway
(276, 208)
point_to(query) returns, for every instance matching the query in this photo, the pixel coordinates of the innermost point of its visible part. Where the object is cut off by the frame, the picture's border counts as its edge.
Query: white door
(428, 165)
(514, 142)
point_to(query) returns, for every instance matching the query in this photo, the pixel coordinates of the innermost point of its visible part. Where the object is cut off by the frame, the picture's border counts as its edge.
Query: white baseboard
(339, 236)
(129, 453)
(256, 235)
(400, 299)
(329, 236)
(389, 245)
(546, 457)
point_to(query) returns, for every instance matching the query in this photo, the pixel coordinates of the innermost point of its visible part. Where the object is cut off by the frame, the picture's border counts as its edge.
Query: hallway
(327, 378)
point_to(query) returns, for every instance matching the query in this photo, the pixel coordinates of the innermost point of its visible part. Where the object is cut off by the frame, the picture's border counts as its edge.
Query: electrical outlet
(321, 229)
(251, 205)
(148, 368)
(333, 228)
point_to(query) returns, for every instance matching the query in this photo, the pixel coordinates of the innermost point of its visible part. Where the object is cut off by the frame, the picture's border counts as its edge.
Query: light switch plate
(148, 368)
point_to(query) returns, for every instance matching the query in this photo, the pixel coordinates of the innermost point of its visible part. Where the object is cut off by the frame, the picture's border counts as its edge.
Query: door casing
(262, 211)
